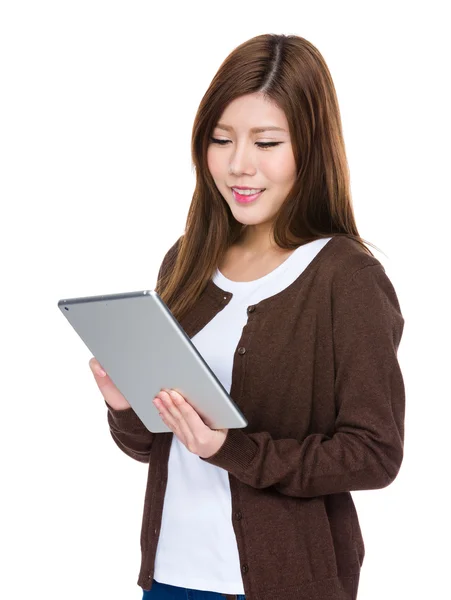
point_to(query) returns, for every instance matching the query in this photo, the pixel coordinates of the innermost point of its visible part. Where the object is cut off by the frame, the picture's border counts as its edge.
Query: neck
(256, 241)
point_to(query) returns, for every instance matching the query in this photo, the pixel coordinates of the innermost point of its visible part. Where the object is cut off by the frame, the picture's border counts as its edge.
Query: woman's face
(238, 156)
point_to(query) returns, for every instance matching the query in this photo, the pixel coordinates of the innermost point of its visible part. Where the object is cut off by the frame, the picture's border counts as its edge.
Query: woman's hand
(109, 391)
(187, 425)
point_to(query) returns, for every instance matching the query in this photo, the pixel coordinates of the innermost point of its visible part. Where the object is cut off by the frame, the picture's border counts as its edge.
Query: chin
(250, 219)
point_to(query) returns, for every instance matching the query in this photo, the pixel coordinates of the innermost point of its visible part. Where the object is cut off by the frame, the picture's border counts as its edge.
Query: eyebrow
(254, 129)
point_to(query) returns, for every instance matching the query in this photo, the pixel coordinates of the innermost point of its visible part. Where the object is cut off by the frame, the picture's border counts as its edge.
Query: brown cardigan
(317, 377)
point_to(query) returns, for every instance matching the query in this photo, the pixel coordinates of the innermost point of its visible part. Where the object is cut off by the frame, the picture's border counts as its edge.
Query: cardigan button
(241, 350)
(245, 568)
(251, 308)
(238, 516)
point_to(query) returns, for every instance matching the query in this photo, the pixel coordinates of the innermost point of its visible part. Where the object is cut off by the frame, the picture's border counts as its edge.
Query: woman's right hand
(109, 391)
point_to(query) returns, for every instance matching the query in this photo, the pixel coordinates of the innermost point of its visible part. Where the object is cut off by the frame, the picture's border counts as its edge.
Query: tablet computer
(142, 347)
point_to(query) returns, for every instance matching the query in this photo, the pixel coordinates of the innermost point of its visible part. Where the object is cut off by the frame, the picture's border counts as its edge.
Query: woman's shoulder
(171, 254)
(349, 256)
(169, 258)
(352, 270)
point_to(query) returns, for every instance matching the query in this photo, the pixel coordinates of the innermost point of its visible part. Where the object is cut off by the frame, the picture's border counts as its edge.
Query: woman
(301, 325)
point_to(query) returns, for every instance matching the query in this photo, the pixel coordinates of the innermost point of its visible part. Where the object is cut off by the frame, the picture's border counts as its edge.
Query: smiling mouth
(246, 198)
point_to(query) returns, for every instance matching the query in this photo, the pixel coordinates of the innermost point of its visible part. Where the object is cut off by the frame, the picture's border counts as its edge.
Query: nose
(241, 161)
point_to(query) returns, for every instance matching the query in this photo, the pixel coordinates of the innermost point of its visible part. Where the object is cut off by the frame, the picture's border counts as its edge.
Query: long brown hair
(290, 72)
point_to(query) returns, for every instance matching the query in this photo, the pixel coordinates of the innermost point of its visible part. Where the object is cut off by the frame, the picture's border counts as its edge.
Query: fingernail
(101, 372)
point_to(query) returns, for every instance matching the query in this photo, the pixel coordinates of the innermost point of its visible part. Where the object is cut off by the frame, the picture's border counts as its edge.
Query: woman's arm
(366, 449)
(129, 433)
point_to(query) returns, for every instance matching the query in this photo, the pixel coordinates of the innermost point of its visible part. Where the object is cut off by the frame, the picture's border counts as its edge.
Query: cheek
(280, 167)
(213, 163)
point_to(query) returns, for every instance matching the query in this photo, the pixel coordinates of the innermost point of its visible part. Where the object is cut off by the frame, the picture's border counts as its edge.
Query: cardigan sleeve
(127, 430)
(365, 450)
(129, 433)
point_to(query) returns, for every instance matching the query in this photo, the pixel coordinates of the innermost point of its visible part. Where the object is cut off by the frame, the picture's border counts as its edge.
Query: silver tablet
(142, 347)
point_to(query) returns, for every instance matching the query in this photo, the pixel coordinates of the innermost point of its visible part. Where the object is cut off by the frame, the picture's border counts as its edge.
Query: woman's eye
(222, 142)
(267, 144)
(259, 144)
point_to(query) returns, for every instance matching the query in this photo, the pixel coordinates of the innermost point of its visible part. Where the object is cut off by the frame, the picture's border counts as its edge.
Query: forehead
(253, 111)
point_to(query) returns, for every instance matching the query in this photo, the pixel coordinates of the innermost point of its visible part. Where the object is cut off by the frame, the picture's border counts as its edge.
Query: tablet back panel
(141, 346)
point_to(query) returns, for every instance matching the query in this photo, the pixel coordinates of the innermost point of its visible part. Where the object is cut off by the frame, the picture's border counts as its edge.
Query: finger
(170, 422)
(96, 367)
(196, 425)
(106, 386)
(169, 407)
(175, 416)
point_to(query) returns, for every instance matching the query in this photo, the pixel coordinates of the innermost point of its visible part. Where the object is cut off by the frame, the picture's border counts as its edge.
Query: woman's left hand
(187, 425)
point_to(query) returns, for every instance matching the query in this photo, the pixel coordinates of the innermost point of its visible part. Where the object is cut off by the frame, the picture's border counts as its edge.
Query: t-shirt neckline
(220, 278)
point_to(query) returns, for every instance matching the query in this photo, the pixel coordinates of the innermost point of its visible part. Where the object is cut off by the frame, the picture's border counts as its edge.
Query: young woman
(300, 323)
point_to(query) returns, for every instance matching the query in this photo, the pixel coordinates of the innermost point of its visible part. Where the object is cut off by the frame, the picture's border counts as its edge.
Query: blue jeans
(164, 591)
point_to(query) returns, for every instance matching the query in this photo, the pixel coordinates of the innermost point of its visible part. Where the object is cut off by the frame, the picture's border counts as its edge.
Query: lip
(245, 199)
(244, 187)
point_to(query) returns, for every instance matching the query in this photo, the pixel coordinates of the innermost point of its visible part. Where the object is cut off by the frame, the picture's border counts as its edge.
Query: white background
(96, 107)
